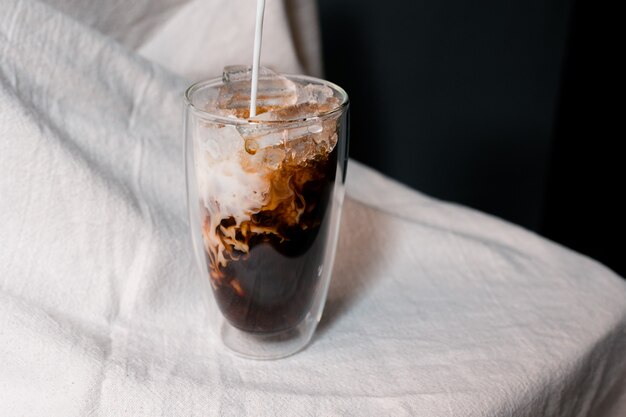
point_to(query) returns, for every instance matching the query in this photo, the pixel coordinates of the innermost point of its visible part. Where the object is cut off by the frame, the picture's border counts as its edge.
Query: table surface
(434, 309)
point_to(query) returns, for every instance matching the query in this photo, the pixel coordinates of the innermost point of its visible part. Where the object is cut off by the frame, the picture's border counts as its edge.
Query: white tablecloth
(434, 309)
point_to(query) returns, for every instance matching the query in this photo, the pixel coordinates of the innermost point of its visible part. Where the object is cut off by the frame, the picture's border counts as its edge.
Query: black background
(501, 106)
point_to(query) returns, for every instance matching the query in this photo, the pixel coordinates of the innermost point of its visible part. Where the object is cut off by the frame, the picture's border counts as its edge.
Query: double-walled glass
(265, 199)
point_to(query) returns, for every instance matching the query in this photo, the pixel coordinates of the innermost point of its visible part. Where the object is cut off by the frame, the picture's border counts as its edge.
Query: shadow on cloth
(357, 264)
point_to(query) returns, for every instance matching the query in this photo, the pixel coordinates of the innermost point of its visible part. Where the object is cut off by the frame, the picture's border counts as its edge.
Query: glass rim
(213, 82)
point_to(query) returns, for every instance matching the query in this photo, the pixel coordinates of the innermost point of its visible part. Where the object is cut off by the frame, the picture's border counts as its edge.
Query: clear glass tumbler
(265, 199)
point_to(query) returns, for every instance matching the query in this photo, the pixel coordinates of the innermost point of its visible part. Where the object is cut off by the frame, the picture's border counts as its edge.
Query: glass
(265, 218)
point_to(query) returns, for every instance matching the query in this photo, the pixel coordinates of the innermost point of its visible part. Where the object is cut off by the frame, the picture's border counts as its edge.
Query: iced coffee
(265, 185)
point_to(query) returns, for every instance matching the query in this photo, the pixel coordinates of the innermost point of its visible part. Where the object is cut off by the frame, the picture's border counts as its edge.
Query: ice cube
(299, 151)
(295, 112)
(274, 90)
(217, 141)
(315, 128)
(299, 111)
(273, 157)
(261, 136)
(314, 93)
(333, 140)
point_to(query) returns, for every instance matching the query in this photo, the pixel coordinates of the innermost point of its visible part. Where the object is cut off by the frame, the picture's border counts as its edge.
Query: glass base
(266, 346)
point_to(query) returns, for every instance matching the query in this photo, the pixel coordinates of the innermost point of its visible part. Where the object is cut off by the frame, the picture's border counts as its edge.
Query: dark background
(503, 106)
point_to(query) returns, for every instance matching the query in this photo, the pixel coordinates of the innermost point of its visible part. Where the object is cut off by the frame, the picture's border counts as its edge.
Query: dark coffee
(272, 263)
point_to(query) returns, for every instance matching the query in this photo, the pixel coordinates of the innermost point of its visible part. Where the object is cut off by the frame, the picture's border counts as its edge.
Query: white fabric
(197, 38)
(434, 309)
